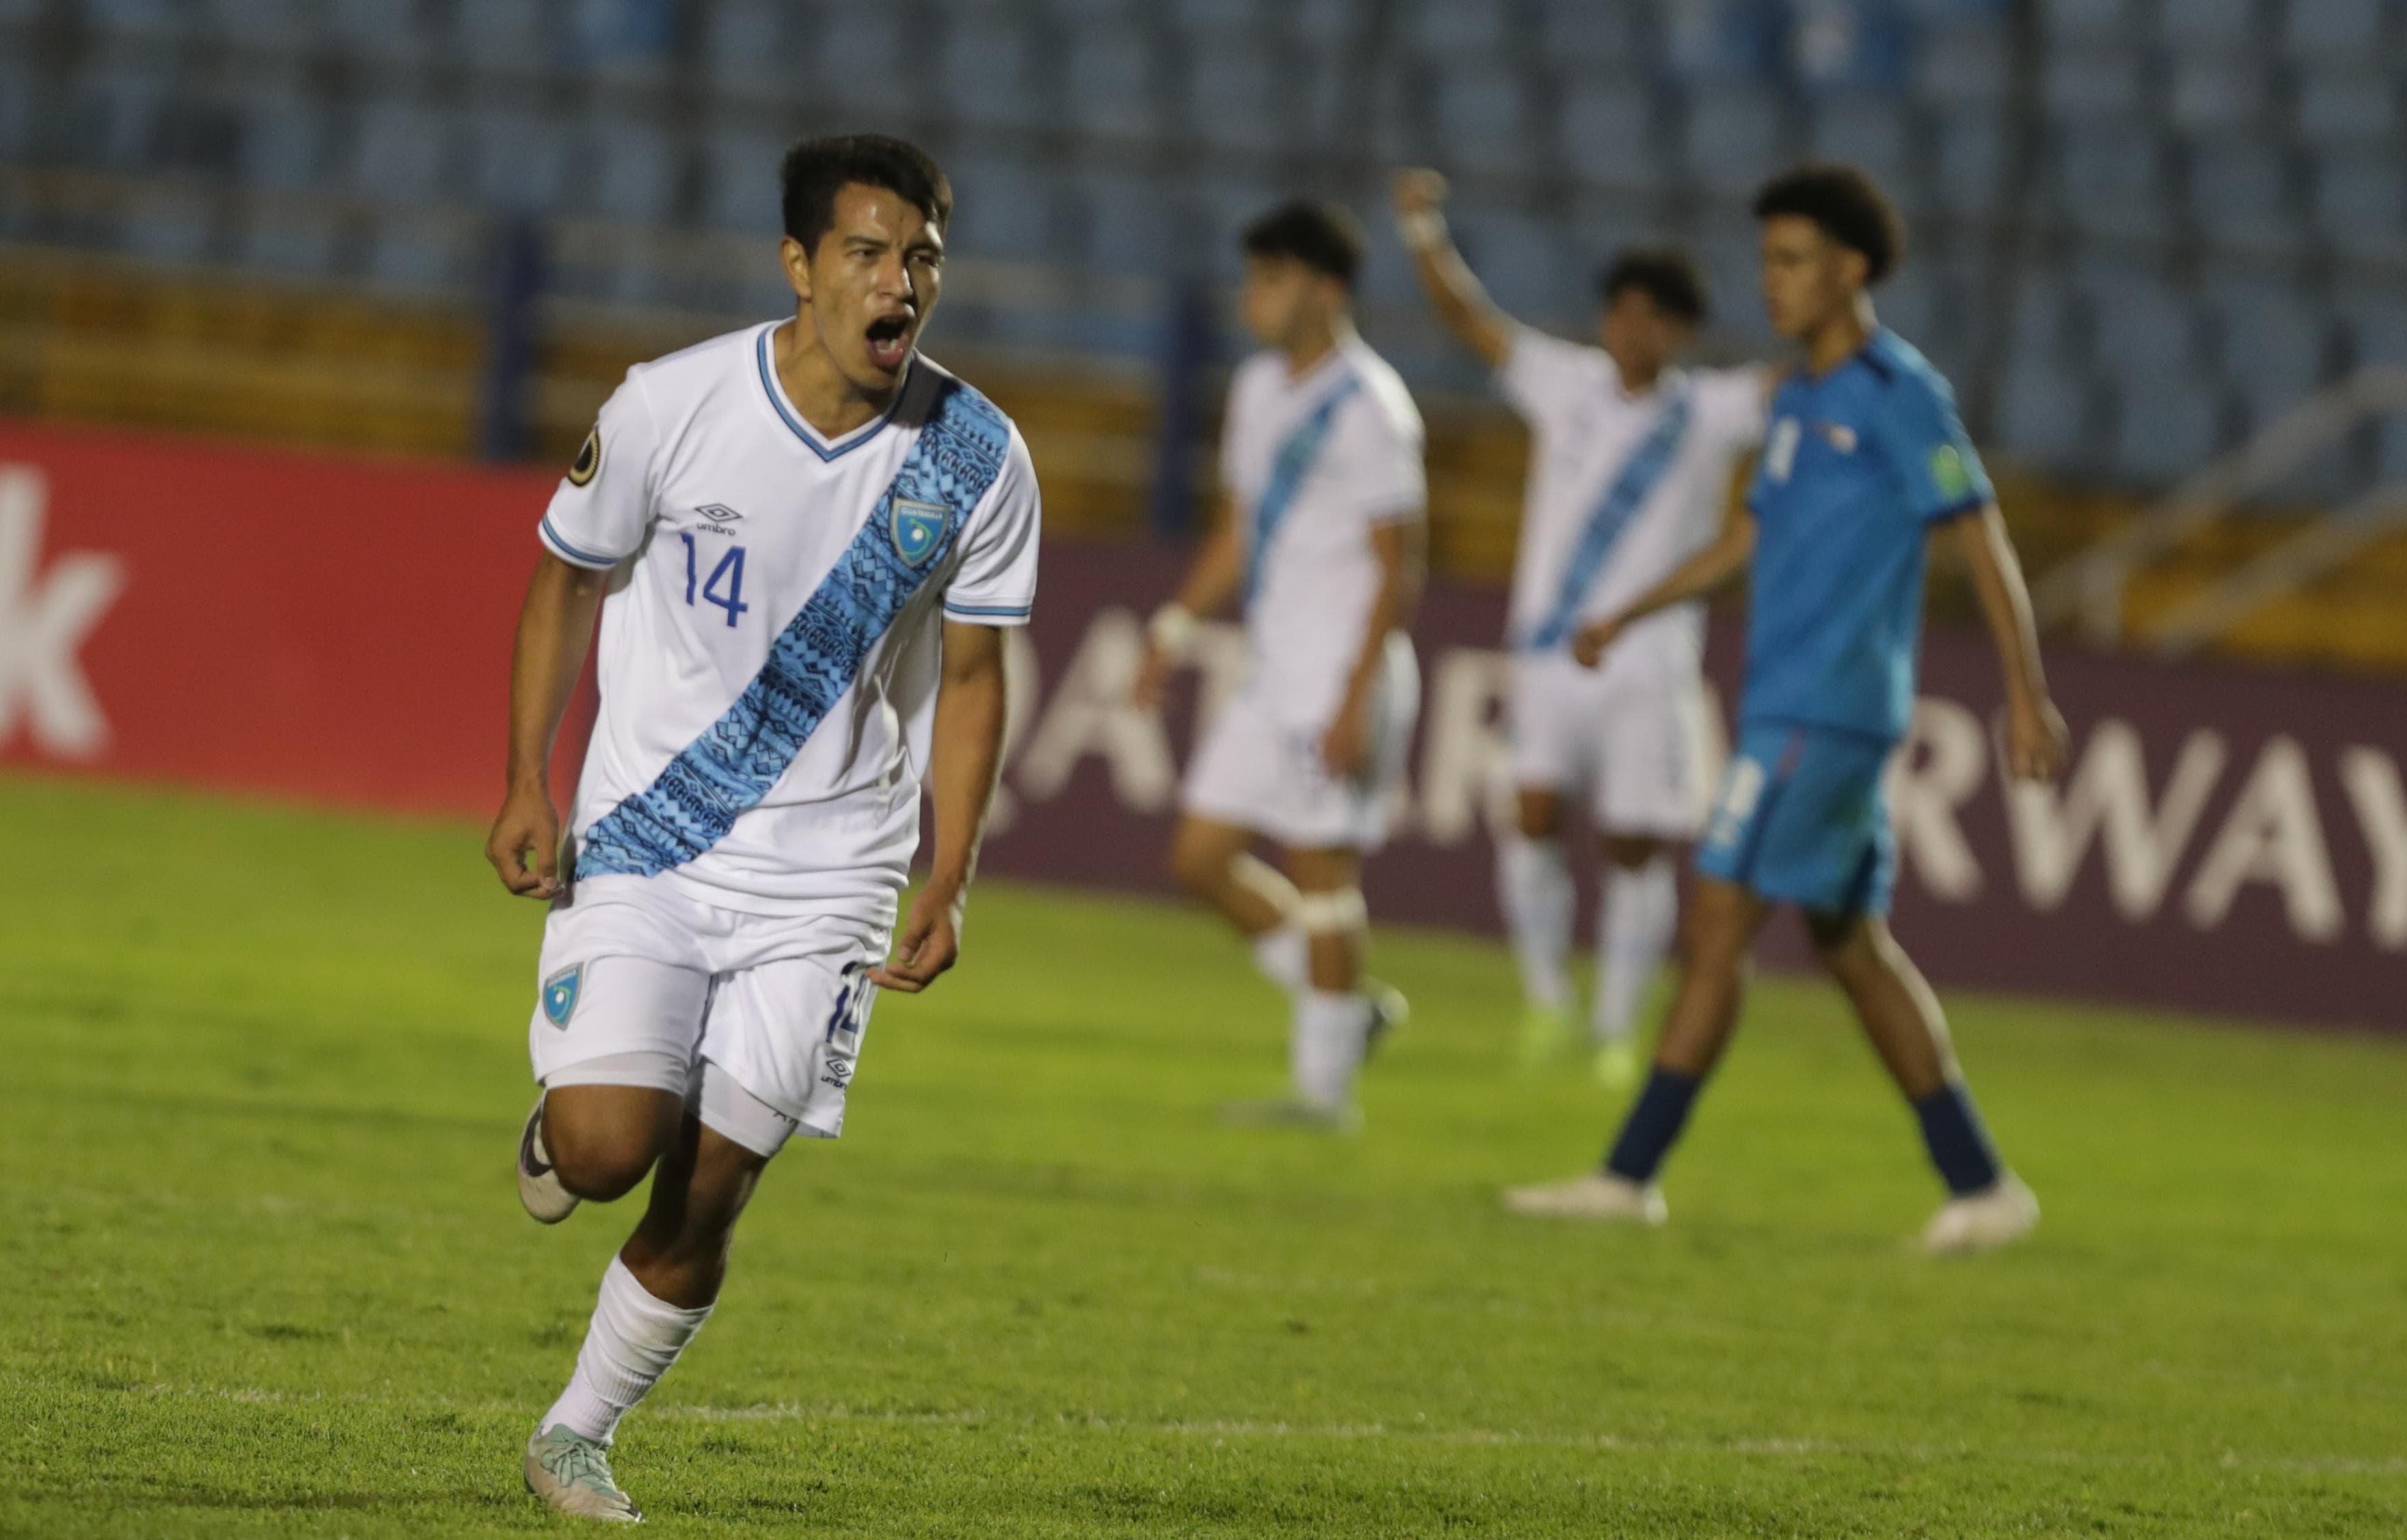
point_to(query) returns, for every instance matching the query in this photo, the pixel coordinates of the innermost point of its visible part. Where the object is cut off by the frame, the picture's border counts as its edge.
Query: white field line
(788, 1411)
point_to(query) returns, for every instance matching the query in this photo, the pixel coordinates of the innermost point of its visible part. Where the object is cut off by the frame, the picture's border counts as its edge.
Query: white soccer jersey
(770, 641)
(1313, 465)
(1622, 490)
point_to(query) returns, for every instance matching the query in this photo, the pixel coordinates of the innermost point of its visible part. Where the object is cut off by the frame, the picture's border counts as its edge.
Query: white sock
(1534, 880)
(1329, 1029)
(1283, 954)
(1642, 914)
(633, 1341)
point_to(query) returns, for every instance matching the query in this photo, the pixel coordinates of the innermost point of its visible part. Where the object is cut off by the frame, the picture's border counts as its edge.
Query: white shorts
(638, 973)
(1632, 750)
(1257, 769)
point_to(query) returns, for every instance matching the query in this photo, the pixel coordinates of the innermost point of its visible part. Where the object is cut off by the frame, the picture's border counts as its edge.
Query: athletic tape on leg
(1331, 914)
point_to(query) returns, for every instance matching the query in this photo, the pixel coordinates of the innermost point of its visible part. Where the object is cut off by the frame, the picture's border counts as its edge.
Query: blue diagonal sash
(1294, 461)
(816, 658)
(1640, 474)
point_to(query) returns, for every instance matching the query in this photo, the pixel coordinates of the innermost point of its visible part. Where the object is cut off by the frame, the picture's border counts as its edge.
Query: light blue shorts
(1801, 818)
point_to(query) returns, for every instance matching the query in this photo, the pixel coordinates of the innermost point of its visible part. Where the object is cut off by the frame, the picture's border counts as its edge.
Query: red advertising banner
(2226, 840)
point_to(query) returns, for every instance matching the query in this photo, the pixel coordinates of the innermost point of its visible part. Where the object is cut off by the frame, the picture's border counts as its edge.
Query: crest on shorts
(559, 995)
(588, 458)
(918, 528)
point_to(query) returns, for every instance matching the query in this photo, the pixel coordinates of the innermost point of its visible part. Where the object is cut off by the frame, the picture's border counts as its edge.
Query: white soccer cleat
(571, 1473)
(1592, 1196)
(540, 1187)
(2000, 1214)
(1389, 1011)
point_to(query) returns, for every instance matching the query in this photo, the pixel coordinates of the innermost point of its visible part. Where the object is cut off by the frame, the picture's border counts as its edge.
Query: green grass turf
(265, 1272)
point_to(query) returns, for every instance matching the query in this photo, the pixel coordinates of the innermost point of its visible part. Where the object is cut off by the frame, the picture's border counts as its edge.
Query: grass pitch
(264, 1273)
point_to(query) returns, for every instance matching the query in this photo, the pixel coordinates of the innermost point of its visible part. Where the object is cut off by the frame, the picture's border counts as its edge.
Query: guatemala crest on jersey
(559, 995)
(918, 527)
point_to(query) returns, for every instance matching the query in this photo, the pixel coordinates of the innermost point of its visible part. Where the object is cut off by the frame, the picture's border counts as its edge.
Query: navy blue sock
(1958, 1145)
(1653, 1123)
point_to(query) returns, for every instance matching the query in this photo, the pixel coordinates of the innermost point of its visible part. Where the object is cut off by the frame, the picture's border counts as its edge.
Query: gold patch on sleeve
(588, 458)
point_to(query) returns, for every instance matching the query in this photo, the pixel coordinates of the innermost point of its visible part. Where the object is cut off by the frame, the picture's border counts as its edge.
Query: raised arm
(1461, 303)
(2035, 735)
(1694, 578)
(965, 756)
(1211, 583)
(555, 627)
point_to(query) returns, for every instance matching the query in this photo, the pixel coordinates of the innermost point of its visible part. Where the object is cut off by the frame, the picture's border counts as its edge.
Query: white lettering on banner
(2107, 799)
(1090, 714)
(2372, 782)
(43, 625)
(2271, 835)
(1023, 686)
(1942, 763)
(1465, 761)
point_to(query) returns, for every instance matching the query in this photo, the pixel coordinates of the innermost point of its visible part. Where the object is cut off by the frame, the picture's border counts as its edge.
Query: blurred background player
(1322, 539)
(1630, 466)
(808, 537)
(1864, 457)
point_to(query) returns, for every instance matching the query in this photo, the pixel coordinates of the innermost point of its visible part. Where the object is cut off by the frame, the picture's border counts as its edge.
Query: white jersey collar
(775, 391)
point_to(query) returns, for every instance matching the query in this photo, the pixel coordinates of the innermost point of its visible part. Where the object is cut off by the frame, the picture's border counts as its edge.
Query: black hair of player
(1847, 205)
(816, 169)
(1664, 274)
(1322, 236)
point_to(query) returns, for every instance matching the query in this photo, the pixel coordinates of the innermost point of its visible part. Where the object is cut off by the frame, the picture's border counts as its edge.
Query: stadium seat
(1872, 131)
(744, 49)
(2340, 107)
(2139, 319)
(1113, 92)
(16, 108)
(263, 27)
(1736, 137)
(296, 242)
(1607, 131)
(743, 178)
(2046, 415)
(1129, 229)
(507, 36)
(2333, 33)
(1962, 66)
(1582, 35)
(2167, 426)
(385, 30)
(2361, 203)
(2273, 341)
(988, 81)
(1447, 29)
(2375, 324)
(1006, 209)
(2101, 82)
(629, 172)
(520, 161)
(110, 119)
(2110, 180)
(2240, 193)
(1526, 262)
(1845, 47)
(2227, 26)
(283, 142)
(414, 252)
(161, 225)
(2086, 23)
(1972, 161)
(857, 55)
(142, 21)
(400, 151)
(2220, 92)
(1480, 117)
(1234, 99)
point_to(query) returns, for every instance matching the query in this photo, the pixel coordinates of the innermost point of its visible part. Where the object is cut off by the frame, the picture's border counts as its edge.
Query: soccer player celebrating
(1631, 463)
(1865, 457)
(1322, 538)
(801, 538)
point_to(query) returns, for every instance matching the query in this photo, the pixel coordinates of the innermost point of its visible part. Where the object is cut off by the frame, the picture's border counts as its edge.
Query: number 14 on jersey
(724, 587)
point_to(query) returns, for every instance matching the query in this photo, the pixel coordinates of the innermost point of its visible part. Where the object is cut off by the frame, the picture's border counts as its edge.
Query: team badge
(918, 527)
(1947, 472)
(588, 458)
(559, 995)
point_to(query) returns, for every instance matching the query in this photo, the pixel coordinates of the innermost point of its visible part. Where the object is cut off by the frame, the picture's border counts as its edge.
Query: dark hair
(1322, 236)
(1664, 274)
(816, 169)
(1849, 207)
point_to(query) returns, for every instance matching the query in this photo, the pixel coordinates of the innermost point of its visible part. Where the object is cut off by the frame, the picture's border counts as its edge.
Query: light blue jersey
(1857, 466)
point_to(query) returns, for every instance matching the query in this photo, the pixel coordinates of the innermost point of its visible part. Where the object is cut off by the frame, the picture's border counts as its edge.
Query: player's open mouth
(890, 340)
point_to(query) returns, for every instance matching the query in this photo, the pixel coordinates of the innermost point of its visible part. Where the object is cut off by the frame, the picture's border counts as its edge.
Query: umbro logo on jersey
(719, 513)
(560, 994)
(918, 527)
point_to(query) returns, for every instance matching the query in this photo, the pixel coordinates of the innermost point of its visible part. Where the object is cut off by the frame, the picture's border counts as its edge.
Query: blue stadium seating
(2329, 33)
